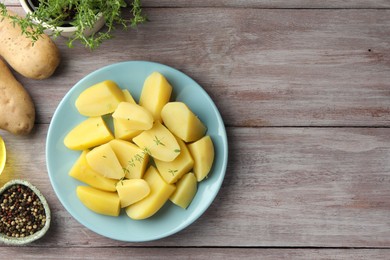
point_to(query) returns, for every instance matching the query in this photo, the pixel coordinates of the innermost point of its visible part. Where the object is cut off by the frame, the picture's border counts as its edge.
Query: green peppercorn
(21, 212)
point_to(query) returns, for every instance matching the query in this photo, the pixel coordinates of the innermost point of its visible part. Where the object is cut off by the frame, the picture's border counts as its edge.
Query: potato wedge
(202, 152)
(182, 122)
(160, 191)
(102, 202)
(89, 133)
(173, 171)
(83, 172)
(159, 142)
(99, 99)
(185, 191)
(132, 191)
(103, 160)
(134, 116)
(156, 92)
(132, 159)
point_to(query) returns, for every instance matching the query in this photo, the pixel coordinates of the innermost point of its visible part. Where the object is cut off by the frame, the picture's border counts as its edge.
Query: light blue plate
(170, 219)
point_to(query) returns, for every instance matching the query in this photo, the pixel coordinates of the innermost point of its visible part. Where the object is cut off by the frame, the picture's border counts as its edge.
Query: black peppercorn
(21, 212)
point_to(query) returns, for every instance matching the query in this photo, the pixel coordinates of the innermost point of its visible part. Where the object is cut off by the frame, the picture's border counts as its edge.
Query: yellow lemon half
(3, 155)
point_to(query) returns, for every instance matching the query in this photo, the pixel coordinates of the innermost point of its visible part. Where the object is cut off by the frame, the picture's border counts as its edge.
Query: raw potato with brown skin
(17, 111)
(35, 61)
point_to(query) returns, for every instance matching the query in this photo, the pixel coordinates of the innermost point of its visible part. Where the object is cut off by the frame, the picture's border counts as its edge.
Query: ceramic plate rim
(223, 157)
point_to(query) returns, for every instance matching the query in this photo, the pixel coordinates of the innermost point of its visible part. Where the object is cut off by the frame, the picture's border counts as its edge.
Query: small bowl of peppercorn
(24, 213)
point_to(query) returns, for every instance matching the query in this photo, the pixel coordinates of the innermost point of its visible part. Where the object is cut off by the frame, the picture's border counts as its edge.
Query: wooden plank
(261, 67)
(194, 253)
(270, 3)
(284, 187)
(261, 3)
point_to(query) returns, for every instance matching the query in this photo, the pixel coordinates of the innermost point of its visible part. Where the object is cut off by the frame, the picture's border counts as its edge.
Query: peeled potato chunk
(123, 131)
(83, 172)
(182, 122)
(172, 171)
(160, 191)
(128, 97)
(156, 92)
(102, 202)
(185, 191)
(132, 159)
(103, 160)
(135, 116)
(89, 133)
(99, 99)
(202, 152)
(159, 142)
(132, 191)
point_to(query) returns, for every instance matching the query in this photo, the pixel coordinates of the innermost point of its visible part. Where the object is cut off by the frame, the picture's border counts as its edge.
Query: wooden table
(304, 90)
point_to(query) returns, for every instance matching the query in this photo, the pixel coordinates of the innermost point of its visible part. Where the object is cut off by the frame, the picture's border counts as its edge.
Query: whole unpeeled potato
(36, 61)
(17, 111)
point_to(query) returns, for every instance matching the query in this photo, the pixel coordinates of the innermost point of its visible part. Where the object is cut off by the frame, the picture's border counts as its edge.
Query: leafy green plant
(82, 14)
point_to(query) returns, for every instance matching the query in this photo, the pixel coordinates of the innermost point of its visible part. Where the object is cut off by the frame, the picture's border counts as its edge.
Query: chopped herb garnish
(158, 141)
(146, 151)
(173, 171)
(131, 162)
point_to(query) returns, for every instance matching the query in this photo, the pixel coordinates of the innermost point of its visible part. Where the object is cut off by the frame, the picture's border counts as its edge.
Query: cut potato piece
(102, 202)
(156, 92)
(132, 191)
(160, 191)
(202, 152)
(89, 133)
(185, 191)
(137, 117)
(182, 122)
(123, 131)
(128, 97)
(158, 142)
(99, 99)
(103, 160)
(172, 171)
(132, 159)
(83, 172)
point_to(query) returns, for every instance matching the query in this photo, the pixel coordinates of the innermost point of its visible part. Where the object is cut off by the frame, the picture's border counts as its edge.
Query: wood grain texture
(304, 88)
(261, 67)
(284, 187)
(193, 253)
(261, 3)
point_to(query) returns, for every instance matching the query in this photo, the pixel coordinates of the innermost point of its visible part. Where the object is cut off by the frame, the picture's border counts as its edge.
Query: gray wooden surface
(304, 90)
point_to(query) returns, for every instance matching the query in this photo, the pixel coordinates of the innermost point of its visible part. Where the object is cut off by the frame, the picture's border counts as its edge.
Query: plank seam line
(219, 247)
(267, 8)
(254, 7)
(288, 126)
(311, 126)
(264, 247)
